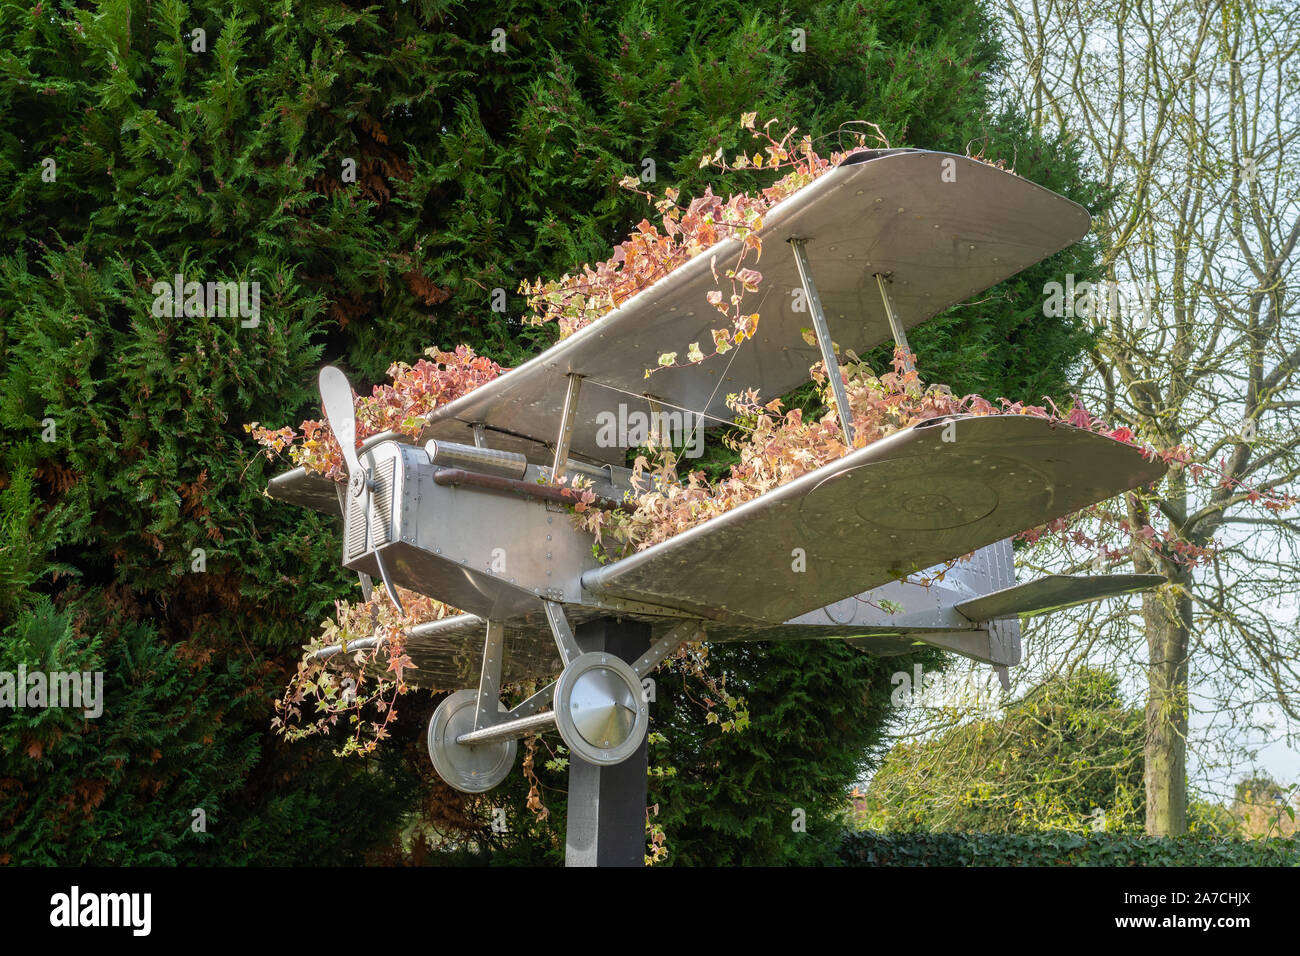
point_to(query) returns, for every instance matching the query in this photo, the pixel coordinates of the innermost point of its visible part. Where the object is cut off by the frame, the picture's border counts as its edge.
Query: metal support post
(607, 805)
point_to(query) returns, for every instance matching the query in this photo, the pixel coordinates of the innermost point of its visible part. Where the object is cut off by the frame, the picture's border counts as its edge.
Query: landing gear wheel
(472, 768)
(599, 709)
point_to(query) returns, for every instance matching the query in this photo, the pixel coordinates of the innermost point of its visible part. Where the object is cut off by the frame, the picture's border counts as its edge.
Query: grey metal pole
(607, 805)
(823, 333)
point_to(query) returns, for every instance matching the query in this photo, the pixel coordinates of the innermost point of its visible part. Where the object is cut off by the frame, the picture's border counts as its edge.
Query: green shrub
(1060, 849)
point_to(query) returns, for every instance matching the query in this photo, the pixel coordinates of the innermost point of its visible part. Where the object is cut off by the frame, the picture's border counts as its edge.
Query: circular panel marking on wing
(926, 493)
(902, 494)
(929, 502)
(841, 612)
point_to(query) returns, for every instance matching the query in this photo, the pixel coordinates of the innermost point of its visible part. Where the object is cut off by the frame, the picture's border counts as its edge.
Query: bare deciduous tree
(1190, 112)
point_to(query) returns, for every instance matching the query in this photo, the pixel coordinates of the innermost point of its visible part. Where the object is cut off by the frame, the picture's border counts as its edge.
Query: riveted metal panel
(381, 504)
(370, 516)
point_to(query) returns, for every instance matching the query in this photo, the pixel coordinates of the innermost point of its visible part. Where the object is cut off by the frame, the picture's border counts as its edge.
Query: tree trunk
(1168, 615)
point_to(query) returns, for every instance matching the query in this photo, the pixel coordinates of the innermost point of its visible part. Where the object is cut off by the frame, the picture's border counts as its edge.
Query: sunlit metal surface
(603, 709)
(565, 642)
(854, 550)
(908, 502)
(489, 677)
(667, 644)
(938, 241)
(901, 504)
(509, 729)
(487, 461)
(599, 709)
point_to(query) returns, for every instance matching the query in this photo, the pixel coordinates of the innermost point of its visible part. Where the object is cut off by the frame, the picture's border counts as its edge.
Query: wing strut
(566, 427)
(824, 335)
(489, 680)
(824, 339)
(896, 327)
(565, 642)
(675, 638)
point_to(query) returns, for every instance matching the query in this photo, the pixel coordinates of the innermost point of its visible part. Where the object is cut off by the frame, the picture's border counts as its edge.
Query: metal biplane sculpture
(891, 242)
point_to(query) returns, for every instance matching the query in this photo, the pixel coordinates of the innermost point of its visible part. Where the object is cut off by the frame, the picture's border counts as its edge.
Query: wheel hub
(599, 709)
(473, 768)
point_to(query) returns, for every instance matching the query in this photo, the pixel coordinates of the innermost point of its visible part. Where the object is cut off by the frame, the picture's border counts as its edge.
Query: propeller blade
(336, 395)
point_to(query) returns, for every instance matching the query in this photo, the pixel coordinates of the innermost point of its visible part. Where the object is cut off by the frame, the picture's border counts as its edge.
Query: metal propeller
(336, 396)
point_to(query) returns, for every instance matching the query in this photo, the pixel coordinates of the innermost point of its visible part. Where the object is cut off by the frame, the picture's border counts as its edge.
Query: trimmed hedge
(1063, 849)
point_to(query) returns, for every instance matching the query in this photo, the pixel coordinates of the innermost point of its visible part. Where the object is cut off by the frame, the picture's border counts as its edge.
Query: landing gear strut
(597, 707)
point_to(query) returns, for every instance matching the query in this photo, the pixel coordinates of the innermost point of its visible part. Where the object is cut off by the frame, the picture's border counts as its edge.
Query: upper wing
(901, 504)
(942, 227)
